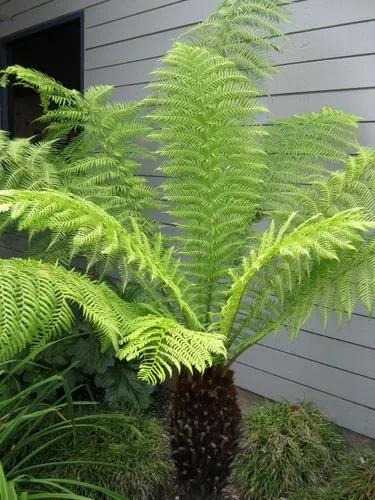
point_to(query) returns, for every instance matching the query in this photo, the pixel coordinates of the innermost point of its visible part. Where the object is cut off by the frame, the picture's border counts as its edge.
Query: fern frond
(284, 258)
(244, 32)
(89, 230)
(303, 150)
(30, 165)
(331, 287)
(91, 147)
(161, 343)
(49, 90)
(350, 187)
(204, 111)
(36, 305)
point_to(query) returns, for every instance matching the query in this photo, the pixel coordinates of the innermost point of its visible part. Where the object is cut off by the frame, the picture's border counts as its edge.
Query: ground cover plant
(31, 425)
(353, 479)
(356, 476)
(271, 224)
(137, 465)
(100, 375)
(285, 447)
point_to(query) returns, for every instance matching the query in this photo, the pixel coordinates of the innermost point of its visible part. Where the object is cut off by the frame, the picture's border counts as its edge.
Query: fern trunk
(204, 424)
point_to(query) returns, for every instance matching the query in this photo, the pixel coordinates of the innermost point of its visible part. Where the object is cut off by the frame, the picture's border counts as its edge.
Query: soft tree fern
(272, 222)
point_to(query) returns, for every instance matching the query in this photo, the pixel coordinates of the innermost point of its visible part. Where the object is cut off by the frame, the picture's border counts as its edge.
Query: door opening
(56, 51)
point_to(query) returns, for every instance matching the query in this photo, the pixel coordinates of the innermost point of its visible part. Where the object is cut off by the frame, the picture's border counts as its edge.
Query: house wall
(330, 60)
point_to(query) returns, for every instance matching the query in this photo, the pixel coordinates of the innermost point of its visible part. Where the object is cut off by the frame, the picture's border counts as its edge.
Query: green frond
(301, 151)
(204, 111)
(36, 305)
(244, 32)
(88, 230)
(49, 90)
(284, 258)
(161, 343)
(350, 187)
(91, 147)
(29, 165)
(36, 302)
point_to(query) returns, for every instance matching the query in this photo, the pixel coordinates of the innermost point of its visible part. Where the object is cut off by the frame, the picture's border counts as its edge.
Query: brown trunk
(204, 424)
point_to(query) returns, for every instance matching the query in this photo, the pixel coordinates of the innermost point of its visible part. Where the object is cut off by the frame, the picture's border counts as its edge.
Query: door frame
(4, 41)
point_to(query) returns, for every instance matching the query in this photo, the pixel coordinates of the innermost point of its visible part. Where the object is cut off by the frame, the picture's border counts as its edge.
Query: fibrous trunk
(204, 424)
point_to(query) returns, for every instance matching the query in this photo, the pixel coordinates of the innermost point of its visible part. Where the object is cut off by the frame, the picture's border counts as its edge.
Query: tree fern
(271, 222)
(263, 214)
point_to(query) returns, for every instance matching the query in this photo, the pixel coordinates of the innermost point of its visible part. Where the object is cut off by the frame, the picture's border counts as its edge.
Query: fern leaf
(161, 343)
(244, 32)
(36, 305)
(291, 254)
(89, 230)
(204, 117)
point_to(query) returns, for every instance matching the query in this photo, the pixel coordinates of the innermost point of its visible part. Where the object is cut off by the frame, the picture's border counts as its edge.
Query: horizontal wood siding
(328, 60)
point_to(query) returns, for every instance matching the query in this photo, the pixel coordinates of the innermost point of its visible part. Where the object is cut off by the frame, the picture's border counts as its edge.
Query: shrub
(285, 447)
(134, 461)
(322, 493)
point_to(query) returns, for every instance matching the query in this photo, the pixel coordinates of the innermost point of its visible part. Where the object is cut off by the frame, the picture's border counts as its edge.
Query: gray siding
(329, 61)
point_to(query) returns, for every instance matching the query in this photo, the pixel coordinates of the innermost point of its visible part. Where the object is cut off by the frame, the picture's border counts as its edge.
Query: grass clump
(131, 460)
(355, 479)
(285, 447)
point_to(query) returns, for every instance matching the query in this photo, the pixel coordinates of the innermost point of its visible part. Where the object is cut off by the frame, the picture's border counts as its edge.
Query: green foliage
(86, 229)
(356, 477)
(353, 479)
(159, 341)
(302, 153)
(213, 168)
(162, 343)
(285, 447)
(91, 147)
(36, 305)
(100, 374)
(135, 465)
(123, 388)
(291, 254)
(323, 493)
(272, 222)
(244, 32)
(50, 91)
(31, 425)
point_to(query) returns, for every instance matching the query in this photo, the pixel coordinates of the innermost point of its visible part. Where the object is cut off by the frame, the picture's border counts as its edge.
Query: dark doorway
(55, 51)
